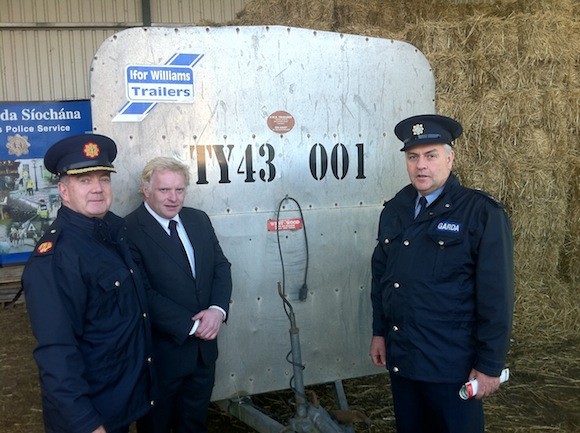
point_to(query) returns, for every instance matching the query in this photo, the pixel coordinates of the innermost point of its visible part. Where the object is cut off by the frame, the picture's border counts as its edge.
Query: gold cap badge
(91, 150)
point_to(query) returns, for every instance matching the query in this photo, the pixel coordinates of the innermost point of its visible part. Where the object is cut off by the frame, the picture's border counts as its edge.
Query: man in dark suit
(189, 285)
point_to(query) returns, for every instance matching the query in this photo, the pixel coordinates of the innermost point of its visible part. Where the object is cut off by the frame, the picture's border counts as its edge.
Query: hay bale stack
(520, 109)
(332, 15)
(508, 70)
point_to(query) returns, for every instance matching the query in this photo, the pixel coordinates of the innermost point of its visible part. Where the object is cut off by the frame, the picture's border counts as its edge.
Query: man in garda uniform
(87, 304)
(442, 287)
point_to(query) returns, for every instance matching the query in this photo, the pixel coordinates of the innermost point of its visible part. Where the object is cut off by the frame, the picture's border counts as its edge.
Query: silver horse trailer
(289, 136)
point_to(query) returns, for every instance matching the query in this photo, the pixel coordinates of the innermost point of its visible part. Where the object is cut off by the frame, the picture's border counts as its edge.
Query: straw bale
(565, 7)
(539, 225)
(437, 37)
(570, 261)
(540, 74)
(490, 36)
(499, 112)
(549, 36)
(369, 13)
(547, 310)
(489, 176)
(325, 14)
(337, 15)
(509, 115)
(372, 31)
(315, 15)
(505, 53)
(452, 73)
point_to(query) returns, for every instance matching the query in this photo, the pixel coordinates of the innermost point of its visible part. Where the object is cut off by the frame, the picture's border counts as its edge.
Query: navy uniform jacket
(442, 289)
(88, 312)
(175, 296)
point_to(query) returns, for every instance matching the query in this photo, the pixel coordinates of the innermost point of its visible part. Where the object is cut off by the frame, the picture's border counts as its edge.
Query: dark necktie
(422, 205)
(175, 236)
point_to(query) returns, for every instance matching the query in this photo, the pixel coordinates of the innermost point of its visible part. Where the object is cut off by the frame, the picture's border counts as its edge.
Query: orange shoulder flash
(44, 247)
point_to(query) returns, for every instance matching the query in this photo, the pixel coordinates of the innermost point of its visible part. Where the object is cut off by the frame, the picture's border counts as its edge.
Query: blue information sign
(29, 197)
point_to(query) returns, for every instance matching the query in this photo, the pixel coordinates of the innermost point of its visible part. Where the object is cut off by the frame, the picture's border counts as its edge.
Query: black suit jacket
(174, 295)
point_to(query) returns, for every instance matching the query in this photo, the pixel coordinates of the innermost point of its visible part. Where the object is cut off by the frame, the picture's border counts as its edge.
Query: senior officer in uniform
(87, 305)
(442, 287)
(189, 284)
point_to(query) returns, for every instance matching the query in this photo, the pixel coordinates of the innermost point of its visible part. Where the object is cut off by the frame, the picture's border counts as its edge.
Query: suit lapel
(193, 229)
(152, 229)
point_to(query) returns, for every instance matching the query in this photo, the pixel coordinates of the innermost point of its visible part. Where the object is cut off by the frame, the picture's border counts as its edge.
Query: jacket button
(395, 328)
(131, 270)
(395, 369)
(387, 241)
(396, 285)
(441, 243)
(117, 284)
(149, 360)
(152, 403)
(447, 205)
(406, 243)
(144, 315)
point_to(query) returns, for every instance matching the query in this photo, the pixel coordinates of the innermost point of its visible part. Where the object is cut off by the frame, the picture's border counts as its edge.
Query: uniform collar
(407, 198)
(78, 220)
(441, 200)
(431, 197)
(105, 229)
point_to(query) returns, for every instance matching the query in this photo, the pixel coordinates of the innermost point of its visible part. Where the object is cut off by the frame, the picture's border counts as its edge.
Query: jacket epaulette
(47, 243)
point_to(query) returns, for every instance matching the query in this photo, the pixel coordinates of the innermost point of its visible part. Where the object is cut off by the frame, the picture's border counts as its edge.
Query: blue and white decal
(449, 227)
(147, 85)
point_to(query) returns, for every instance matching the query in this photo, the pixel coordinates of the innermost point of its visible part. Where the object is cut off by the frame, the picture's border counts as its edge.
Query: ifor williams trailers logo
(145, 86)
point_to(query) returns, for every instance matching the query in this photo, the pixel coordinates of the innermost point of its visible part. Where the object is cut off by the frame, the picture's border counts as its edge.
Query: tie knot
(422, 206)
(172, 224)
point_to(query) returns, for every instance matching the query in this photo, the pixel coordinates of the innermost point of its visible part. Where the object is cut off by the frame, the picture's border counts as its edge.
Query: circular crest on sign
(281, 122)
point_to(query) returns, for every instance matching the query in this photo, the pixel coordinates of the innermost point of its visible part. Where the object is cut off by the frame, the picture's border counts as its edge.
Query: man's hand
(486, 385)
(101, 429)
(378, 351)
(210, 322)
